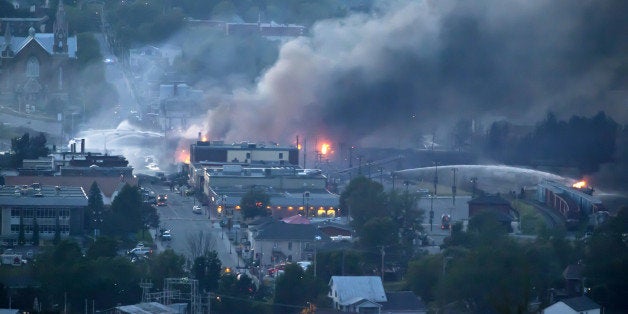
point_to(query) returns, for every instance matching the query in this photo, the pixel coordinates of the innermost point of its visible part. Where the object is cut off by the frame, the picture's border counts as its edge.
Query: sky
(411, 68)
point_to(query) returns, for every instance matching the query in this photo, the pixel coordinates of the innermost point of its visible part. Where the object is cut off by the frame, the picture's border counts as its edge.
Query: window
(32, 67)
(248, 155)
(275, 245)
(280, 155)
(290, 245)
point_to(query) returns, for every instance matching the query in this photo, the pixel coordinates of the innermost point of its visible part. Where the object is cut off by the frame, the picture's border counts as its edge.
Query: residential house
(577, 305)
(403, 302)
(495, 204)
(276, 242)
(357, 294)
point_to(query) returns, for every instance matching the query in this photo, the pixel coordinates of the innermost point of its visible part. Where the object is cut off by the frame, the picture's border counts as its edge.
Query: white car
(140, 251)
(197, 209)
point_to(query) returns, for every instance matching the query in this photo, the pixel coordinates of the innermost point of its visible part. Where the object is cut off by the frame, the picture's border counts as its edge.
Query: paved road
(184, 225)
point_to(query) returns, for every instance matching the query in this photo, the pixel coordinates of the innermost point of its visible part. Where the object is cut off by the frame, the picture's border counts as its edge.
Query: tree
(206, 269)
(294, 287)
(25, 147)
(103, 247)
(21, 238)
(363, 199)
(254, 203)
(378, 231)
(35, 238)
(201, 244)
(606, 263)
(57, 237)
(165, 265)
(95, 207)
(125, 214)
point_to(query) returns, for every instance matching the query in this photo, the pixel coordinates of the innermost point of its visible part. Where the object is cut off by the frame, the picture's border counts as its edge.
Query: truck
(162, 199)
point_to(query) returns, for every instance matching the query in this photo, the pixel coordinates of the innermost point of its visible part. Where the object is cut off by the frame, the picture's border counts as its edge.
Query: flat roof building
(51, 207)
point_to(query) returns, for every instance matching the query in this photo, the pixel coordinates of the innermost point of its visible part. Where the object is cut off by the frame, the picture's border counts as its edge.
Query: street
(185, 225)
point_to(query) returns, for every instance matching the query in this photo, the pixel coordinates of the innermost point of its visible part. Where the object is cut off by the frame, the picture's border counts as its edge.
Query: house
(495, 204)
(577, 305)
(147, 308)
(405, 302)
(276, 241)
(358, 294)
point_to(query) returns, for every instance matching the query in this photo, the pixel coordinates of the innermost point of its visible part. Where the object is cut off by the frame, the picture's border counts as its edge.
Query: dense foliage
(254, 203)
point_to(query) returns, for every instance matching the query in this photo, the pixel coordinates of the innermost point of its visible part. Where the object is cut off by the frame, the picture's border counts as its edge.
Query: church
(35, 70)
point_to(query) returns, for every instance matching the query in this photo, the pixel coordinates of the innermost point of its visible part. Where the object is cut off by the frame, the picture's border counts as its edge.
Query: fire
(580, 184)
(183, 156)
(204, 138)
(324, 149)
(299, 147)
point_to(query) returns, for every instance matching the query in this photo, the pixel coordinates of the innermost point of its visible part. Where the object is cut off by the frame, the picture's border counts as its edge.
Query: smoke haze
(418, 66)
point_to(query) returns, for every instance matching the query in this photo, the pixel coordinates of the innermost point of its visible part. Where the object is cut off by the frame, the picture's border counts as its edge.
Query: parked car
(197, 209)
(140, 250)
(166, 235)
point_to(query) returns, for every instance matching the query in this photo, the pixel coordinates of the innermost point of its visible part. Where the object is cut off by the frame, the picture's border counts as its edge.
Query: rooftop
(36, 194)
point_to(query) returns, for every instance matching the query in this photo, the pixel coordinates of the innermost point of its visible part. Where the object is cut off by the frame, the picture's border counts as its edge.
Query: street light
(316, 239)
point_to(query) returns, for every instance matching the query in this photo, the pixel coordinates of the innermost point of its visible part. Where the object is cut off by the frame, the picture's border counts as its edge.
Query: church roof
(45, 40)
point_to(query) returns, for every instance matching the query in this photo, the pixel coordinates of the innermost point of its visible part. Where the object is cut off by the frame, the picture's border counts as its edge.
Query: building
(52, 208)
(275, 242)
(577, 305)
(246, 154)
(494, 204)
(403, 302)
(357, 294)
(35, 70)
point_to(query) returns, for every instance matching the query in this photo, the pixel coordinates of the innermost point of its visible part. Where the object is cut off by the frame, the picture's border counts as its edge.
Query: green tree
(378, 231)
(206, 270)
(95, 207)
(165, 265)
(57, 237)
(363, 199)
(103, 247)
(606, 263)
(125, 215)
(35, 237)
(423, 275)
(294, 287)
(21, 238)
(254, 203)
(236, 287)
(25, 147)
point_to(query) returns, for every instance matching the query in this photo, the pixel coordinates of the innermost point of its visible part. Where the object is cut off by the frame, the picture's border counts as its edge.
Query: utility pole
(453, 188)
(304, 152)
(383, 253)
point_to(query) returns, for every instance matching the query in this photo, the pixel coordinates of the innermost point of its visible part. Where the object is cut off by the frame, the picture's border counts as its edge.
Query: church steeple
(7, 52)
(60, 30)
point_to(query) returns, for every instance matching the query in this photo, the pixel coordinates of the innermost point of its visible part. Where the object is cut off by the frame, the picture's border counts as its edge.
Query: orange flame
(204, 138)
(324, 149)
(580, 184)
(183, 156)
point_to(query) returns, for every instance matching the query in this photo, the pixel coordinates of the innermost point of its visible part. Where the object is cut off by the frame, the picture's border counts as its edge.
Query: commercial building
(51, 208)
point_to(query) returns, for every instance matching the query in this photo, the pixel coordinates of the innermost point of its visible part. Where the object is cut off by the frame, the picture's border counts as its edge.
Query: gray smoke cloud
(418, 66)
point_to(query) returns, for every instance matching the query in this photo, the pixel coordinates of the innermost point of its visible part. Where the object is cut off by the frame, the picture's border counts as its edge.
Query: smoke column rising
(418, 66)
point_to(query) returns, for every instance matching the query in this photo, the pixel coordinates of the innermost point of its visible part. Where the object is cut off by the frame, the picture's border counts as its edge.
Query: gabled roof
(296, 219)
(573, 271)
(279, 230)
(403, 300)
(45, 40)
(582, 303)
(352, 288)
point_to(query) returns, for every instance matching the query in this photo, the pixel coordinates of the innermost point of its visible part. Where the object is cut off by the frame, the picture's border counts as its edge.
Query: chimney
(199, 136)
(82, 146)
(73, 148)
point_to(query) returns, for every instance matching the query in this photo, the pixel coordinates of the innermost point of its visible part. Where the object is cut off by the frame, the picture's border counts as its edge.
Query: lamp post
(316, 239)
(306, 202)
